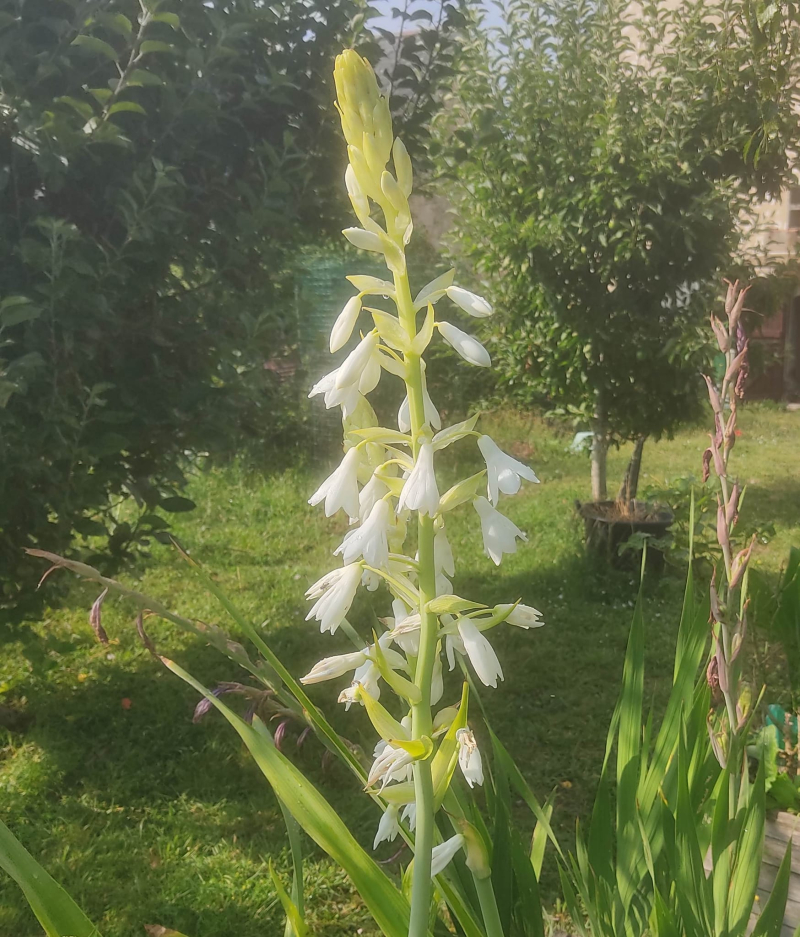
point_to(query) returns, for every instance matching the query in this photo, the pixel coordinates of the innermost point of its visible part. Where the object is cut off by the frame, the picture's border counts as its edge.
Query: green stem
(421, 719)
(491, 916)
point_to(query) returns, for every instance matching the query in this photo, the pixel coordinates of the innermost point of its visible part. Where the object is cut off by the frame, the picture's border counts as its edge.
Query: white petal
(481, 654)
(443, 554)
(340, 489)
(404, 416)
(470, 302)
(444, 852)
(420, 492)
(388, 828)
(468, 347)
(353, 365)
(499, 533)
(344, 324)
(329, 668)
(366, 240)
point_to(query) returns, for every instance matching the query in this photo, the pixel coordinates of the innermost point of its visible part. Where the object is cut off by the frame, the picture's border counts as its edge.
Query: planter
(608, 524)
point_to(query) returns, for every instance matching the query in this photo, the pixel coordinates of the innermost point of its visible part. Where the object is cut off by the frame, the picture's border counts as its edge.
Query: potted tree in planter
(600, 185)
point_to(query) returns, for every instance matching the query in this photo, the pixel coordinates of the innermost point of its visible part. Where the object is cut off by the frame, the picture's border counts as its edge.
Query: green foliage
(599, 178)
(160, 164)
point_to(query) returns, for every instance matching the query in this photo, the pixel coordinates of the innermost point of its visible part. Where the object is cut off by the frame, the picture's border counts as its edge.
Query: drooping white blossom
(340, 489)
(388, 828)
(443, 554)
(470, 302)
(469, 757)
(453, 645)
(392, 764)
(420, 492)
(466, 345)
(334, 603)
(345, 323)
(437, 681)
(442, 854)
(503, 472)
(499, 533)
(329, 668)
(409, 815)
(369, 540)
(406, 628)
(348, 398)
(480, 653)
(523, 616)
(353, 366)
(371, 493)
(431, 413)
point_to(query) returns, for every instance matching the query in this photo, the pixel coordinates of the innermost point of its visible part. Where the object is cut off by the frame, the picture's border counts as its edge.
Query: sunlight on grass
(147, 818)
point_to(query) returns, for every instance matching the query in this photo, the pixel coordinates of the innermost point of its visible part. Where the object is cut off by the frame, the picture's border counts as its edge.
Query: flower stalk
(386, 477)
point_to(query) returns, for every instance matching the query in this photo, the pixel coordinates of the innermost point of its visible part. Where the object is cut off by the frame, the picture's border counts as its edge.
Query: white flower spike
(470, 302)
(444, 852)
(334, 603)
(420, 492)
(499, 533)
(469, 757)
(340, 490)
(481, 654)
(503, 472)
(468, 347)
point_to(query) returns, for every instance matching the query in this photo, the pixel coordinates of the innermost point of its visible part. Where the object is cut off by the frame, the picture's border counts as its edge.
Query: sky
(387, 21)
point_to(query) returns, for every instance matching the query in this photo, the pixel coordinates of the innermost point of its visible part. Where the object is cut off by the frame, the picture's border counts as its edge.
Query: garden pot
(608, 524)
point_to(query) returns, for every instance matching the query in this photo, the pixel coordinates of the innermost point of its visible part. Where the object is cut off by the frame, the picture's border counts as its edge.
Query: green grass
(149, 819)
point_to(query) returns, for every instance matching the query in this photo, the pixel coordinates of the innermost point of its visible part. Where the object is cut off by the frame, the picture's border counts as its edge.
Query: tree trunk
(599, 460)
(630, 481)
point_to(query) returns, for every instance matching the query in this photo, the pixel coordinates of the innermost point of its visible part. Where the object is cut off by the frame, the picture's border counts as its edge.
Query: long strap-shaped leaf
(57, 912)
(316, 816)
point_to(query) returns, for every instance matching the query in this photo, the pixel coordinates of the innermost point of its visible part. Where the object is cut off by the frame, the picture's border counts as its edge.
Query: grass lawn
(149, 819)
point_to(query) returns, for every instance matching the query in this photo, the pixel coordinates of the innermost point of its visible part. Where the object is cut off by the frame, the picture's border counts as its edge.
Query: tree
(160, 165)
(603, 154)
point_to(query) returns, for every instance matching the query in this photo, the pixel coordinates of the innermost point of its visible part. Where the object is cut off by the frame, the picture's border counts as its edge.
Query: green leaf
(744, 880)
(177, 505)
(315, 815)
(130, 106)
(93, 44)
(295, 926)
(171, 19)
(55, 910)
(770, 920)
(141, 77)
(390, 330)
(14, 310)
(155, 45)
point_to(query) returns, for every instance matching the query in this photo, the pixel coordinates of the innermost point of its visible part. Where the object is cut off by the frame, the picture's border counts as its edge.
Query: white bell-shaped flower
(420, 492)
(444, 852)
(329, 668)
(406, 628)
(481, 654)
(371, 375)
(344, 324)
(370, 495)
(334, 603)
(470, 302)
(392, 764)
(437, 681)
(443, 554)
(370, 540)
(469, 757)
(340, 489)
(431, 413)
(388, 828)
(503, 472)
(349, 374)
(523, 616)
(499, 533)
(348, 398)
(409, 815)
(466, 345)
